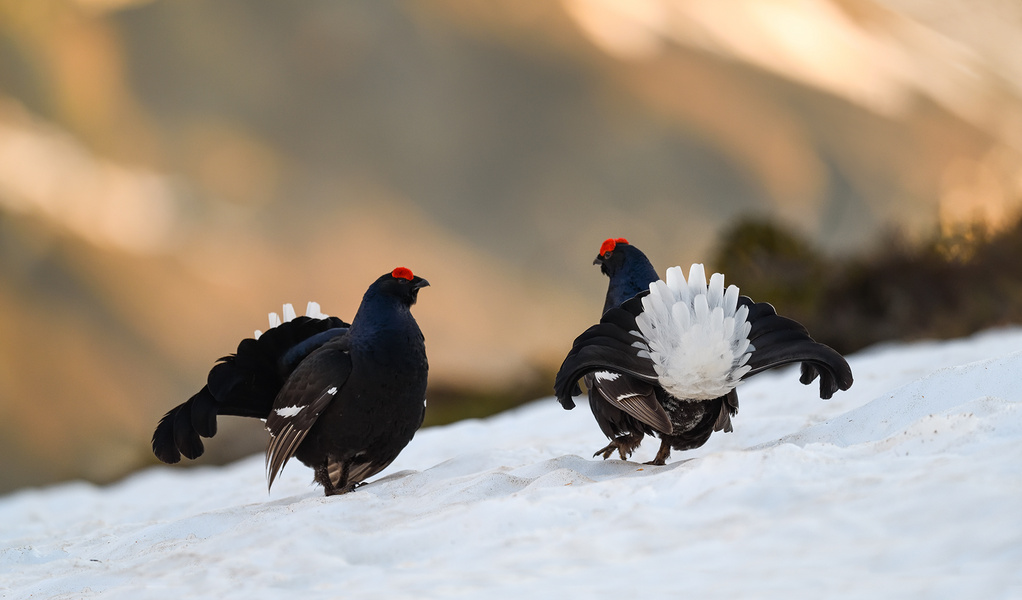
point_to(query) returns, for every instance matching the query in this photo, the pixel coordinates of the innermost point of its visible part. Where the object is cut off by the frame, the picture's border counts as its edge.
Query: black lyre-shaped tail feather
(178, 431)
(781, 341)
(242, 384)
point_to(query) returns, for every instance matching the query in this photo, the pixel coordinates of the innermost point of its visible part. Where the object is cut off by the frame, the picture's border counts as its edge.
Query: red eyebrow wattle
(610, 243)
(402, 273)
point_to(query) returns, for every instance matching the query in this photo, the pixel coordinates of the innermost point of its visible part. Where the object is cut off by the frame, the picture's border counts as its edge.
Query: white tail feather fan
(696, 335)
(311, 310)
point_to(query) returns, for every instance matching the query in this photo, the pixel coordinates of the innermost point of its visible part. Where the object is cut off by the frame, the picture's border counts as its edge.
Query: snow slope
(909, 485)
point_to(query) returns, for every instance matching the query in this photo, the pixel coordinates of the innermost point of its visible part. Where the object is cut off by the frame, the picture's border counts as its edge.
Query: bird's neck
(381, 320)
(628, 281)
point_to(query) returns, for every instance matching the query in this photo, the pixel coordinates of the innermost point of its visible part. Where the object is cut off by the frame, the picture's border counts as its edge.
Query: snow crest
(696, 335)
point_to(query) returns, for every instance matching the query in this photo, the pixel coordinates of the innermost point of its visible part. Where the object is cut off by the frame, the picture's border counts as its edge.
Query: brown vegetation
(951, 285)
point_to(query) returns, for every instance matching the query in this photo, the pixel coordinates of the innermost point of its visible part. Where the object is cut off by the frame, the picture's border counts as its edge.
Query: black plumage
(626, 393)
(344, 399)
(629, 272)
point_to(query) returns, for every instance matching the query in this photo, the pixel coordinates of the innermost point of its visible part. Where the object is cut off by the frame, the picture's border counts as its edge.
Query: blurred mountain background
(172, 170)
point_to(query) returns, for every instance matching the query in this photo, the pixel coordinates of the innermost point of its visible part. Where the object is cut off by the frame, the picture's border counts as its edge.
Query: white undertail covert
(696, 335)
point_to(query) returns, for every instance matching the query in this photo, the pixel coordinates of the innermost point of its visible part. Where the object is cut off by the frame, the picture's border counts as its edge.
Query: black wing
(607, 346)
(307, 392)
(634, 396)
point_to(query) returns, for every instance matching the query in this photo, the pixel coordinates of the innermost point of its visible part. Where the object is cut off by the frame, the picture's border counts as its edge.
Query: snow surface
(909, 485)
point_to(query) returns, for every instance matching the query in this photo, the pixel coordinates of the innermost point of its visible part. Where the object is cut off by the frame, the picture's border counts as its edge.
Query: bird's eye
(606, 254)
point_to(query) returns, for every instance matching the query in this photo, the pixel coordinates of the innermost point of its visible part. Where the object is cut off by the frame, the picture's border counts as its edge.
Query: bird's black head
(402, 283)
(612, 256)
(629, 270)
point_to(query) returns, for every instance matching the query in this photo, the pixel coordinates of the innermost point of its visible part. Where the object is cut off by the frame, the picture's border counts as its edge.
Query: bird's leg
(625, 445)
(332, 486)
(662, 454)
(322, 476)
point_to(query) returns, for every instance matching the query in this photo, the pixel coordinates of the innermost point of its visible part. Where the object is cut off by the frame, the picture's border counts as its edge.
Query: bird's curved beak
(419, 283)
(598, 260)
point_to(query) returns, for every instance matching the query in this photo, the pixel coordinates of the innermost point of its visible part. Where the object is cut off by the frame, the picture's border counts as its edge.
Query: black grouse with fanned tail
(666, 357)
(343, 399)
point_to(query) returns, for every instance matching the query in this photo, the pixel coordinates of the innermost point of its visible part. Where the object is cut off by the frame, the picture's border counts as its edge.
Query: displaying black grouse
(344, 399)
(666, 356)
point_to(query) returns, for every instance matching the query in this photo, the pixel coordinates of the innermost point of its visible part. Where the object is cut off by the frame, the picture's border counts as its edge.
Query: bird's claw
(622, 450)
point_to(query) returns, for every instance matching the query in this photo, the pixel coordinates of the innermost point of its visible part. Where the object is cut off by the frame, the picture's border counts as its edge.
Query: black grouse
(666, 356)
(344, 399)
